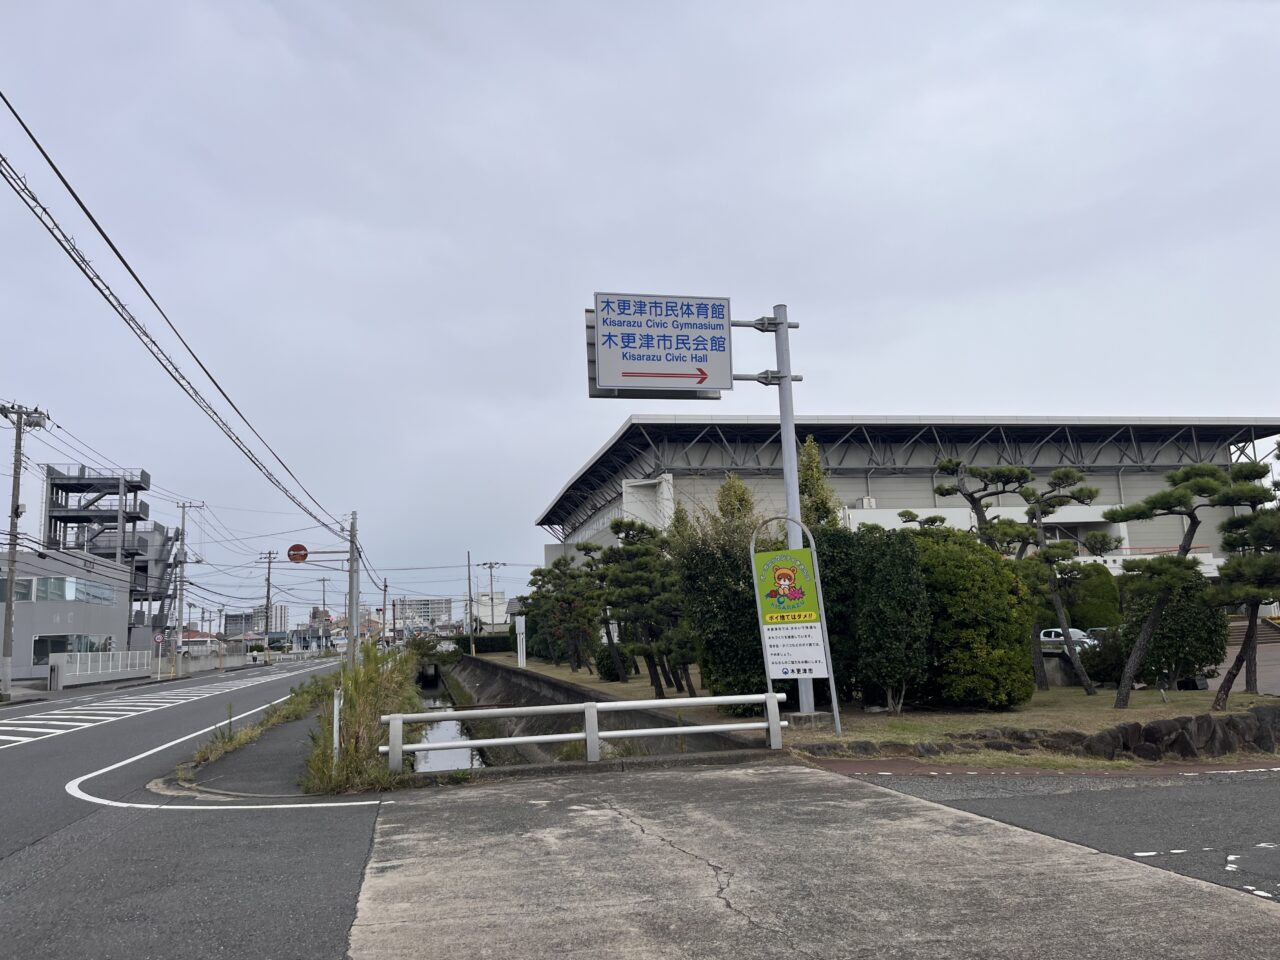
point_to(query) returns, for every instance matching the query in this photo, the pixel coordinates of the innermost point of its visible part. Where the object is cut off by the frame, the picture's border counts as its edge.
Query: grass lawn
(1060, 708)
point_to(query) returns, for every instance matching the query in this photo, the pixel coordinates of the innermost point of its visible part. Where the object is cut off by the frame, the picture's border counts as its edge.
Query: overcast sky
(378, 223)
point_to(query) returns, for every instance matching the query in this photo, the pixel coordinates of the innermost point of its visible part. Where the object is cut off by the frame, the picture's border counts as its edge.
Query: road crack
(722, 875)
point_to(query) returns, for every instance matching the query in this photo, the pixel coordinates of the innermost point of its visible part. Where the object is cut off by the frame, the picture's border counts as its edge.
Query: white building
(881, 465)
(423, 611)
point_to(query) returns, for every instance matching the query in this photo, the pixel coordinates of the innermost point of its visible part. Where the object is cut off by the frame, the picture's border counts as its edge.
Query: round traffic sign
(297, 553)
(158, 638)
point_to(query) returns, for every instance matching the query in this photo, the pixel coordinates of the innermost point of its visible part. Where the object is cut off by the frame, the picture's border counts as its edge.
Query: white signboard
(794, 650)
(663, 342)
(520, 661)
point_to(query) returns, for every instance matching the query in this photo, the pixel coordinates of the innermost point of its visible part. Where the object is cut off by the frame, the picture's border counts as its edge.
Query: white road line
(28, 729)
(77, 718)
(73, 786)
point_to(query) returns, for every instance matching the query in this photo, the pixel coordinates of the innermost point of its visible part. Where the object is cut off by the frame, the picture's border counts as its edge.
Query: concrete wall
(494, 684)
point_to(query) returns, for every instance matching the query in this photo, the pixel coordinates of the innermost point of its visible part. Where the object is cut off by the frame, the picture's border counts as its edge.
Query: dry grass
(1061, 708)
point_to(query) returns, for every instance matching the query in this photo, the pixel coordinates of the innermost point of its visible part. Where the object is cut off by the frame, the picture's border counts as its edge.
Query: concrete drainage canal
(435, 696)
(474, 682)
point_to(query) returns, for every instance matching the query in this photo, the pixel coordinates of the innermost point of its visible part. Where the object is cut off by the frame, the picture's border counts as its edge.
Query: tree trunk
(662, 667)
(635, 665)
(675, 674)
(614, 653)
(1037, 659)
(658, 692)
(1251, 664)
(688, 680)
(1060, 609)
(1143, 643)
(1247, 649)
(1140, 647)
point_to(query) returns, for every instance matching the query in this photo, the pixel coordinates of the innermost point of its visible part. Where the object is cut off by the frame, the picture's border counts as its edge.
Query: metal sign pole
(801, 528)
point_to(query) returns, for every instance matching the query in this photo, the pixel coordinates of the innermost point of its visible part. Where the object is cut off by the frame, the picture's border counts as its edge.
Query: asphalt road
(1219, 827)
(101, 878)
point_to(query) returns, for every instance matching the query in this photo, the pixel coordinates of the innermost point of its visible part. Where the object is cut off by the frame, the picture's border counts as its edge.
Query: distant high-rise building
(424, 611)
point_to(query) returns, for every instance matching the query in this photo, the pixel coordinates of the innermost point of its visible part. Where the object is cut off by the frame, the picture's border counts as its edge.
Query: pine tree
(977, 486)
(641, 591)
(1065, 485)
(1190, 490)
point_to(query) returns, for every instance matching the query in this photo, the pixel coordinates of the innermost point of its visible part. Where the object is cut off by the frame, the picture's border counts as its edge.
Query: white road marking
(121, 707)
(73, 786)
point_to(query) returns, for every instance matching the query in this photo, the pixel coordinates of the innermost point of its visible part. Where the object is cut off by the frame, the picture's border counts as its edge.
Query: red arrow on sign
(700, 376)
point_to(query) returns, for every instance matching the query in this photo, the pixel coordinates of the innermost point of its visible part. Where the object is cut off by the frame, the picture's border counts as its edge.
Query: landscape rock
(1130, 734)
(1071, 736)
(987, 733)
(1182, 746)
(1102, 745)
(861, 748)
(1004, 745)
(926, 749)
(1147, 751)
(1202, 730)
(1161, 732)
(892, 748)
(946, 747)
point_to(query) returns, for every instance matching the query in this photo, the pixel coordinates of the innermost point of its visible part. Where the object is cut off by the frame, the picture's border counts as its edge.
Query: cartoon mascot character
(784, 586)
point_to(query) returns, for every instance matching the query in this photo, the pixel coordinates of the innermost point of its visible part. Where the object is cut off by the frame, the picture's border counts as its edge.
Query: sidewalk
(272, 766)
(25, 695)
(763, 862)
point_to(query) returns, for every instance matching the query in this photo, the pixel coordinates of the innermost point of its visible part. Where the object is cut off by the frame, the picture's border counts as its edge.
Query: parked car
(1053, 638)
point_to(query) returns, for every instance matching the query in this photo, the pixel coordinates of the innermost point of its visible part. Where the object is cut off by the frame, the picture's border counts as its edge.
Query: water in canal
(435, 761)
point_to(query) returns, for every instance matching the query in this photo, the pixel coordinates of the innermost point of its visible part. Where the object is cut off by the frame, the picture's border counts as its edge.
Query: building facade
(423, 611)
(65, 603)
(881, 465)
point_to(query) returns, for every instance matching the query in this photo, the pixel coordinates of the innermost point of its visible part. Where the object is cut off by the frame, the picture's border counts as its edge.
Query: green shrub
(605, 666)
(1190, 639)
(977, 654)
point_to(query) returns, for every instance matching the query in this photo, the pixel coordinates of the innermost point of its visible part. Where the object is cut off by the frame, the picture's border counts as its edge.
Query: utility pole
(393, 619)
(21, 418)
(182, 579)
(324, 596)
(266, 639)
(353, 594)
(384, 609)
(471, 610)
(493, 616)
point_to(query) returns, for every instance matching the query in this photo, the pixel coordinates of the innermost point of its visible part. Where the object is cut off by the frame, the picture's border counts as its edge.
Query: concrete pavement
(758, 862)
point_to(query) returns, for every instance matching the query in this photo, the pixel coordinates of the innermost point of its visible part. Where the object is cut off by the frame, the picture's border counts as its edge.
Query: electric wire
(143, 287)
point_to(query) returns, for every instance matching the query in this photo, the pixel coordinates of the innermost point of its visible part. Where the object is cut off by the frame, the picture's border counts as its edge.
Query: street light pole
(20, 417)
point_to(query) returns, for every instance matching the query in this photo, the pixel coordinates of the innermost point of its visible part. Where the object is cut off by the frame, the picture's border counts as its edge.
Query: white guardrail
(591, 733)
(116, 661)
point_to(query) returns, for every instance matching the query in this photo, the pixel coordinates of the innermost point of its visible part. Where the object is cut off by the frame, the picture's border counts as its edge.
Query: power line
(143, 287)
(41, 213)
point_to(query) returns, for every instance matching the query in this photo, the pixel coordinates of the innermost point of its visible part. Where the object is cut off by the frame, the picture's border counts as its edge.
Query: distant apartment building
(422, 612)
(237, 624)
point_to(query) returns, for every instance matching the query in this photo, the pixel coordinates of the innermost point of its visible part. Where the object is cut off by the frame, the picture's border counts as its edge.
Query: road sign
(661, 342)
(297, 553)
(790, 615)
(158, 638)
